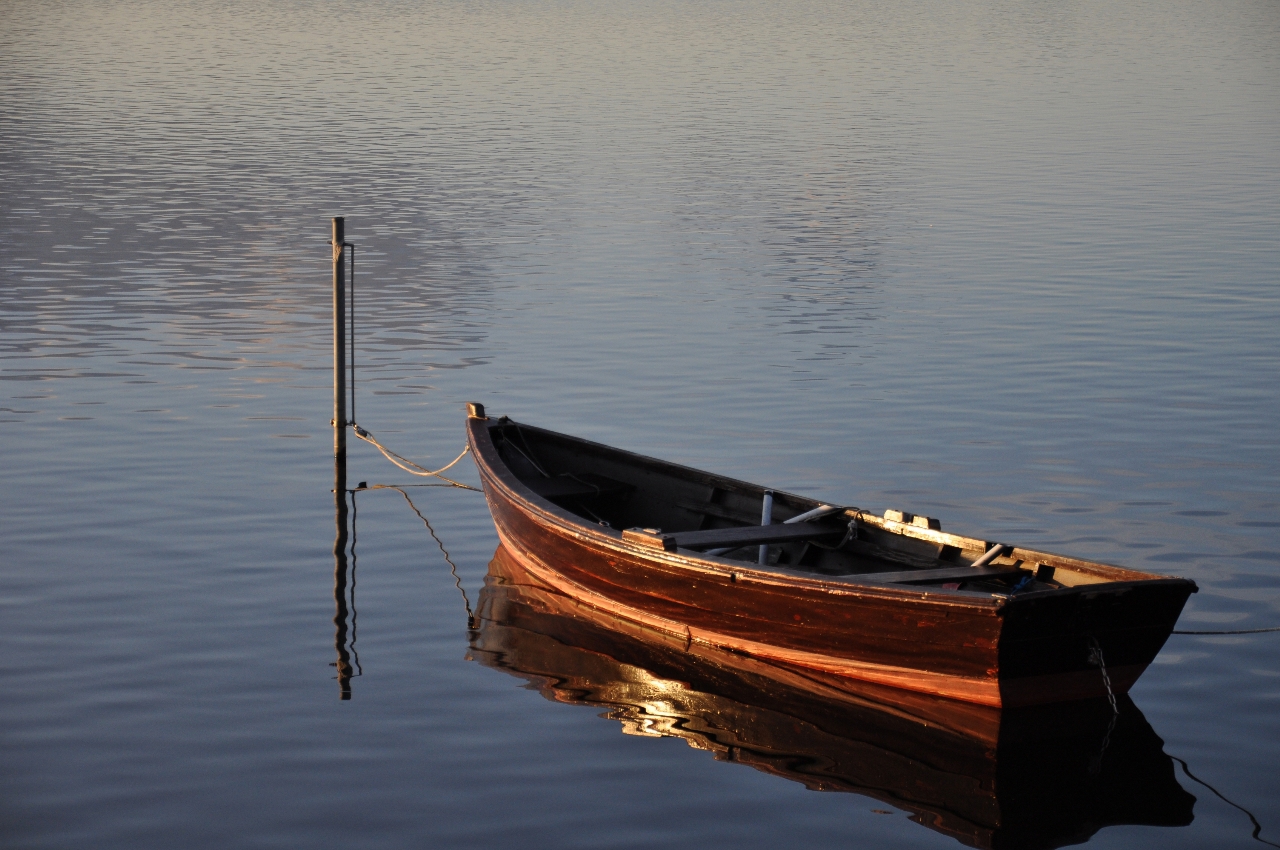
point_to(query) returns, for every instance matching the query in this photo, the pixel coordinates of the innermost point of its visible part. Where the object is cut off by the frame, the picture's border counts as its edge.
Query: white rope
(408, 465)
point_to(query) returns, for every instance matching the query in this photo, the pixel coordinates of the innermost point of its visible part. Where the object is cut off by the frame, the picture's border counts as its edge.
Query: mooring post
(340, 345)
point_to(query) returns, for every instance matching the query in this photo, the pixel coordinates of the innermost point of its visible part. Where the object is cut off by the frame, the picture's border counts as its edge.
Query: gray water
(1011, 264)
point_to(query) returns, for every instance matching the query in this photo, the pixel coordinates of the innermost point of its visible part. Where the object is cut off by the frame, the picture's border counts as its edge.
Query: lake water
(1012, 264)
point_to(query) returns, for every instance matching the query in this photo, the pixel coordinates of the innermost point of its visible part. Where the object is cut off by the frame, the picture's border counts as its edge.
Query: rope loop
(411, 467)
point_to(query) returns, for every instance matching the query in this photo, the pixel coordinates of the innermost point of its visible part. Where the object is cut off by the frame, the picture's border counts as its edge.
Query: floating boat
(889, 599)
(1036, 777)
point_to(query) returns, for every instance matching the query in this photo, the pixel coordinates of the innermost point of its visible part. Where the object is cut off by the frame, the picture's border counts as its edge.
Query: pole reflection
(343, 664)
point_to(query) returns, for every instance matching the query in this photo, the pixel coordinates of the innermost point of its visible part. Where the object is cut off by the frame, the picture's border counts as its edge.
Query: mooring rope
(453, 568)
(1236, 632)
(1257, 827)
(398, 459)
(411, 467)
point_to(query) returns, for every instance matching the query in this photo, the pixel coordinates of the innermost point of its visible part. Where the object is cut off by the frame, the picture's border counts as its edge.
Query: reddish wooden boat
(888, 599)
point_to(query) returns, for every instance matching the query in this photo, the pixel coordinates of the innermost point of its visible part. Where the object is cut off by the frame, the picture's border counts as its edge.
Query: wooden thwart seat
(715, 538)
(942, 574)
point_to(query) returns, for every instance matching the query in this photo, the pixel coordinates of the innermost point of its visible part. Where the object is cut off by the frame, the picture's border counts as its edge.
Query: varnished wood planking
(981, 646)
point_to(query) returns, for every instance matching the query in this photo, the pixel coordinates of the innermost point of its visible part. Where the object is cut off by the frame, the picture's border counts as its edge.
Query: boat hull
(981, 648)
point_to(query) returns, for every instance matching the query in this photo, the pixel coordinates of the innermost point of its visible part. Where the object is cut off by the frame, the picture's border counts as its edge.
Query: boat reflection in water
(1027, 778)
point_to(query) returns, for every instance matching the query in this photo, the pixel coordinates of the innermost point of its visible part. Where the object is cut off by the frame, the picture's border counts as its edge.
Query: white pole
(766, 518)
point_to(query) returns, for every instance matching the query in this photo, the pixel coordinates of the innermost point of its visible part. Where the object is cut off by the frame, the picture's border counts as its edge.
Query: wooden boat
(888, 599)
(1035, 777)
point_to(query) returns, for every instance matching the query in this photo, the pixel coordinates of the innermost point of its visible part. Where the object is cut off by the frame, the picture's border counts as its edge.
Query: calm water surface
(1012, 264)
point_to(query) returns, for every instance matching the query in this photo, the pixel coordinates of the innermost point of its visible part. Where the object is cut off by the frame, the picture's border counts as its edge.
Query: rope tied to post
(411, 467)
(346, 337)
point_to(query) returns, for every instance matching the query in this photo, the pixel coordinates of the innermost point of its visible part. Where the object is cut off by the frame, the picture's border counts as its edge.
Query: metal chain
(1096, 659)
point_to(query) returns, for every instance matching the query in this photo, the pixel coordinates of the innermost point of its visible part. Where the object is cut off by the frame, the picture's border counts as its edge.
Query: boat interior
(685, 510)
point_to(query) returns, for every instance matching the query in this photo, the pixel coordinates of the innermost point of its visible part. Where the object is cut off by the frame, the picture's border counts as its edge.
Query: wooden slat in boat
(736, 536)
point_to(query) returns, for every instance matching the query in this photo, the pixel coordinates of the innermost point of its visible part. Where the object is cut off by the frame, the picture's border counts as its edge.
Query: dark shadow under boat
(1035, 777)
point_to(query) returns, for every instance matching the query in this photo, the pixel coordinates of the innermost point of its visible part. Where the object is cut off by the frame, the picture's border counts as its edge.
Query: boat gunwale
(515, 491)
